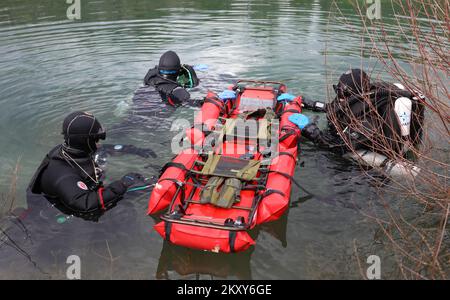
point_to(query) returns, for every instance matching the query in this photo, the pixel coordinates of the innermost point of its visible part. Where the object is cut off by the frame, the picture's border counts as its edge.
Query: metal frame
(169, 216)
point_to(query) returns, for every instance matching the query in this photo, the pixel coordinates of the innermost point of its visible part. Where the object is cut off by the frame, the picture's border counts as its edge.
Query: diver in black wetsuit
(171, 79)
(165, 89)
(70, 178)
(374, 105)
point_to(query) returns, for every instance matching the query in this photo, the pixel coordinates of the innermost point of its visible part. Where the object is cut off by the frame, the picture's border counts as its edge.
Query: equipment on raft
(237, 173)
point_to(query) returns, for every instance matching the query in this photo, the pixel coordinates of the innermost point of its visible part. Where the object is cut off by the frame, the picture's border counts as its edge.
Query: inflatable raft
(235, 174)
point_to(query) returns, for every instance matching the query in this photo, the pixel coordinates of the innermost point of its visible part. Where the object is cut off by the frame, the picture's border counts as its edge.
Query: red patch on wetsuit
(82, 185)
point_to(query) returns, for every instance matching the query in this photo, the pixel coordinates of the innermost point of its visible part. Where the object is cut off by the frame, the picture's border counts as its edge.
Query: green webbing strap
(221, 192)
(249, 172)
(270, 114)
(263, 129)
(210, 164)
(210, 192)
(229, 193)
(264, 123)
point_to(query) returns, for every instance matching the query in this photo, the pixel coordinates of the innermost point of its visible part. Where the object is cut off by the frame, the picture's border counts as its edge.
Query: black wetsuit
(382, 96)
(72, 185)
(154, 103)
(170, 91)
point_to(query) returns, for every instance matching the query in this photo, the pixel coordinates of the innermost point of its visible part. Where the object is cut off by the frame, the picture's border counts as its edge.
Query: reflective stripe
(100, 196)
(170, 101)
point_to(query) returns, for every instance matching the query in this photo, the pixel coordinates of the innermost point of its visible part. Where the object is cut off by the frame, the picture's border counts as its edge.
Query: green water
(50, 66)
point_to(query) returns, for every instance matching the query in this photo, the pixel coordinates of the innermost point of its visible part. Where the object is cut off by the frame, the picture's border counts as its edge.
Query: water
(50, 66)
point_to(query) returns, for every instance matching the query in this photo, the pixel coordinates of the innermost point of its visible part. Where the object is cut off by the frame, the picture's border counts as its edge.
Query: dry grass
(415, 226)
(8, 200)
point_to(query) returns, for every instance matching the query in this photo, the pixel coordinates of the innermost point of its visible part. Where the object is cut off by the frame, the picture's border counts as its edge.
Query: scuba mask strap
(185, 78)
(100, 134)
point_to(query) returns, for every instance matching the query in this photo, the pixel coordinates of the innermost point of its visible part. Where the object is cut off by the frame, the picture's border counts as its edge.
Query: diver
(170, 79)
(372, 122)
(71, 179)
(165, 89)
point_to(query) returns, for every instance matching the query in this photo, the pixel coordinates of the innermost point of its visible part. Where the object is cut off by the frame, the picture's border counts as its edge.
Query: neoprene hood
(82, 131)
(352, 82)
(169, 65)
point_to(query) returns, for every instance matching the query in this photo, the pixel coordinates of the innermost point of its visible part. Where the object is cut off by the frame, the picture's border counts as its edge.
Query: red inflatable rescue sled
(235, 175)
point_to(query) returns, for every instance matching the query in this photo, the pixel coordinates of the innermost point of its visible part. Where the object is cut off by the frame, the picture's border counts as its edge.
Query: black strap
(216, 102)
(232, 240)
(272, 191)
(288, 154)
(295, 111)
(180, 185)
(252, 187)
(287, 134)
(259, 197)
(172, 164)
(288, 128)
(168, 230)
(292, 179)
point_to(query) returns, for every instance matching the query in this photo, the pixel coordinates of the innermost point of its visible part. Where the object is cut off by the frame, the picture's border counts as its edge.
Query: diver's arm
(323, 139)
(194, 102)
(118, 149)
(150, 74)
(313, 105)
(179, 95)
(75, 195)
(312, 133)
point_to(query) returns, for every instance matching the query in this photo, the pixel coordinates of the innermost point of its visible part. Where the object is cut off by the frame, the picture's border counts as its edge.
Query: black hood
(82, 131)
(169, 65)
(351, 83)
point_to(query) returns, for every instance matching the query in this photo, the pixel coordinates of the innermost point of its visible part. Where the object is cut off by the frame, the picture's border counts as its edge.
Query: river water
(50, 66)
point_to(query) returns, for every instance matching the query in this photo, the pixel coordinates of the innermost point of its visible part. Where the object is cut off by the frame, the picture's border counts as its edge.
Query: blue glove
(286, 97)
(201, 67)
(299, 119)
(227, 95)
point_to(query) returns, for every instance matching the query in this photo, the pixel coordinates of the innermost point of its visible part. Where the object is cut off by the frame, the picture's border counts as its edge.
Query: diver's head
(82, 131)
(352, 82)
(169, 65)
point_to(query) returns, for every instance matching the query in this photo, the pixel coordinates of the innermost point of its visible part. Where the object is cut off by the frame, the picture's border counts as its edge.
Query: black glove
(314, 105)
(179, 95)
(133, 180)
(311, 132)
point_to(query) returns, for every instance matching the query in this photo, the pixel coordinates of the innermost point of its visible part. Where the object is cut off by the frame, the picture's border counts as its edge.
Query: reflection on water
(50, 66)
